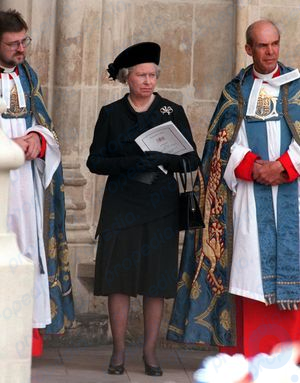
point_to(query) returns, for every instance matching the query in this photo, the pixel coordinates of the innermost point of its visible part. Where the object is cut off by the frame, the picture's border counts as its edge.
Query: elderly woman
(138, 225)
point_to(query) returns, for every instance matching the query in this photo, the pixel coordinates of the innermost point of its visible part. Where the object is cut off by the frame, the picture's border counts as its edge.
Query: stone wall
(73, 42)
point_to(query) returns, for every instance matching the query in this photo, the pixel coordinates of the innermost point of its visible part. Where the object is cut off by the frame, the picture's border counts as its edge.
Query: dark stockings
(153, 310)
(118, 307)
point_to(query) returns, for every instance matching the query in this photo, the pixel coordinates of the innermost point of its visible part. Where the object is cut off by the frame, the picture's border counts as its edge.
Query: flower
(263, 368)
(222, 368)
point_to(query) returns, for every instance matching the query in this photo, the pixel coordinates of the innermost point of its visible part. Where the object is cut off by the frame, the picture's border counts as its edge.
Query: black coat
(126, 201)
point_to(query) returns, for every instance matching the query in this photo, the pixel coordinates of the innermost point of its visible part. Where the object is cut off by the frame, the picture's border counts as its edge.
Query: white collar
(8, 70)
(266, 76)
(275, 83)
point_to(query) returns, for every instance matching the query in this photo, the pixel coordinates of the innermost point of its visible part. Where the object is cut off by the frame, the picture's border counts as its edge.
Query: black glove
(168, 161)
(148, 161)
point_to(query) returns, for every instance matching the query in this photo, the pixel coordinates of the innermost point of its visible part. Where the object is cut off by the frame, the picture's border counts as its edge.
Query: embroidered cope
(213, 260)
(26, 112)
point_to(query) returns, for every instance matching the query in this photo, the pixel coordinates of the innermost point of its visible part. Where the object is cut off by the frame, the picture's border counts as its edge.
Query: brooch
(166, 109)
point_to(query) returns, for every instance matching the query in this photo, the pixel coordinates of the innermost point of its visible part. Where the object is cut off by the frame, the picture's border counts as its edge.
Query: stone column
(74, 112)
(16, 282)
(241, 25)
(247, 11)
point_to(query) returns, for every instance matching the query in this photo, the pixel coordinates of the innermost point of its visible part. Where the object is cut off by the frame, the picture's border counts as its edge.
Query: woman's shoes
(152, 370)
(115, 370)
(149, 370)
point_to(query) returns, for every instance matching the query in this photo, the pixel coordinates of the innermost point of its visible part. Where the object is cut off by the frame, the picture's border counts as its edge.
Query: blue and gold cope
(61, 299)
(204, 311)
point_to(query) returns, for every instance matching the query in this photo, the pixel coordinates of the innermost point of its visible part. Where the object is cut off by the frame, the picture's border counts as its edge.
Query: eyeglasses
(16, 44)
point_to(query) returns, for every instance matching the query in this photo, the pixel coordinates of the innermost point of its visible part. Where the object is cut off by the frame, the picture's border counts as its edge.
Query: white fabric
(25, 211)
(21, 96)
(274, 86)
(253, 97)
(285, 78)
(7, 70)
(6, 86)
(245, 278)
(294, 154)
(266, 76)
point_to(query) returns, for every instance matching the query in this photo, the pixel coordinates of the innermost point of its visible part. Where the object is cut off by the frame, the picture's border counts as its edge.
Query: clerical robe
(226, 256)
(52, 294)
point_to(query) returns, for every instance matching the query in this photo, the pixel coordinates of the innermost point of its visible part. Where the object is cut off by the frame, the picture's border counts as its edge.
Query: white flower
(222, 368)
(276, 368)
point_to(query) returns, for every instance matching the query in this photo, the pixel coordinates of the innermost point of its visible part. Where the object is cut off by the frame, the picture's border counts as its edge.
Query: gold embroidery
(195, 291)
(202, 322)
(185, 281)
(295, 99)
(297, 127)
(53, 308)
(175, 329)
(42, 122)
(69, 324)
(225, 320)
(64, 253)
(36, 93)
(15, 111)
(266, 106)
(213, 243)
(52, 248)
(230, 101)
(229, 128)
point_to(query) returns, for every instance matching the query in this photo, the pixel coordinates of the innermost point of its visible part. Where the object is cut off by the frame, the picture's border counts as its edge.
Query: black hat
(140, 53)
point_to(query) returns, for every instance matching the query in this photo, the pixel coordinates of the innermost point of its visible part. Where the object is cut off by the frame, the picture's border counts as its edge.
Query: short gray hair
(124, 73)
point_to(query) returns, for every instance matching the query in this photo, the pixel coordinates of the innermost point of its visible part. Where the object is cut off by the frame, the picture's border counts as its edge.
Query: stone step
(91, 329)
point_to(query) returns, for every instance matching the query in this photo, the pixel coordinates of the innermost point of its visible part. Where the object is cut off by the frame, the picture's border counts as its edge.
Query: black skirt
(142, 260)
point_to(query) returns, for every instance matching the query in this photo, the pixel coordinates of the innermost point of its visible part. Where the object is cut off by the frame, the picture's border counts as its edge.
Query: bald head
(255, 28)
(263, 40)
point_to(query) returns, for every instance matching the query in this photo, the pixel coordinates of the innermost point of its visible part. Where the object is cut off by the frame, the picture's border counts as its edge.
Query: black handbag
(190, 216)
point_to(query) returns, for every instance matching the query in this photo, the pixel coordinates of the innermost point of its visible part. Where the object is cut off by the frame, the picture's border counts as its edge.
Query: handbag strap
(191, 174)
(183, 176)
(192, 200)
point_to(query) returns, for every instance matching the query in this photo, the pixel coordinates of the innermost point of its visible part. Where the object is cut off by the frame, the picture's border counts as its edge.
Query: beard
(17, 58)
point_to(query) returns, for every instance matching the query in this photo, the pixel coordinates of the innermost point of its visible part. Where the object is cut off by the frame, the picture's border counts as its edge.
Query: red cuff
(245, 168)
(289, 168)
(43, 145)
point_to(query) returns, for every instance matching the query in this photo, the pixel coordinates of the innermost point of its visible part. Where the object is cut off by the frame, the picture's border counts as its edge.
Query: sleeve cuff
(289, 168)
(245, 167)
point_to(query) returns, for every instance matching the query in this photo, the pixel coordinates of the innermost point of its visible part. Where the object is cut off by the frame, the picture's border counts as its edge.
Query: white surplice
(246, 277)
(25, 210)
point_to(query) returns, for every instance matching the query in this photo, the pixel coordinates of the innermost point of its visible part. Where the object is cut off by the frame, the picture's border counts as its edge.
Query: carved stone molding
(76, 222)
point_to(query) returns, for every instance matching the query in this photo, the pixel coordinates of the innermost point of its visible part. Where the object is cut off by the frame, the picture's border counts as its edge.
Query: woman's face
(142, 80)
